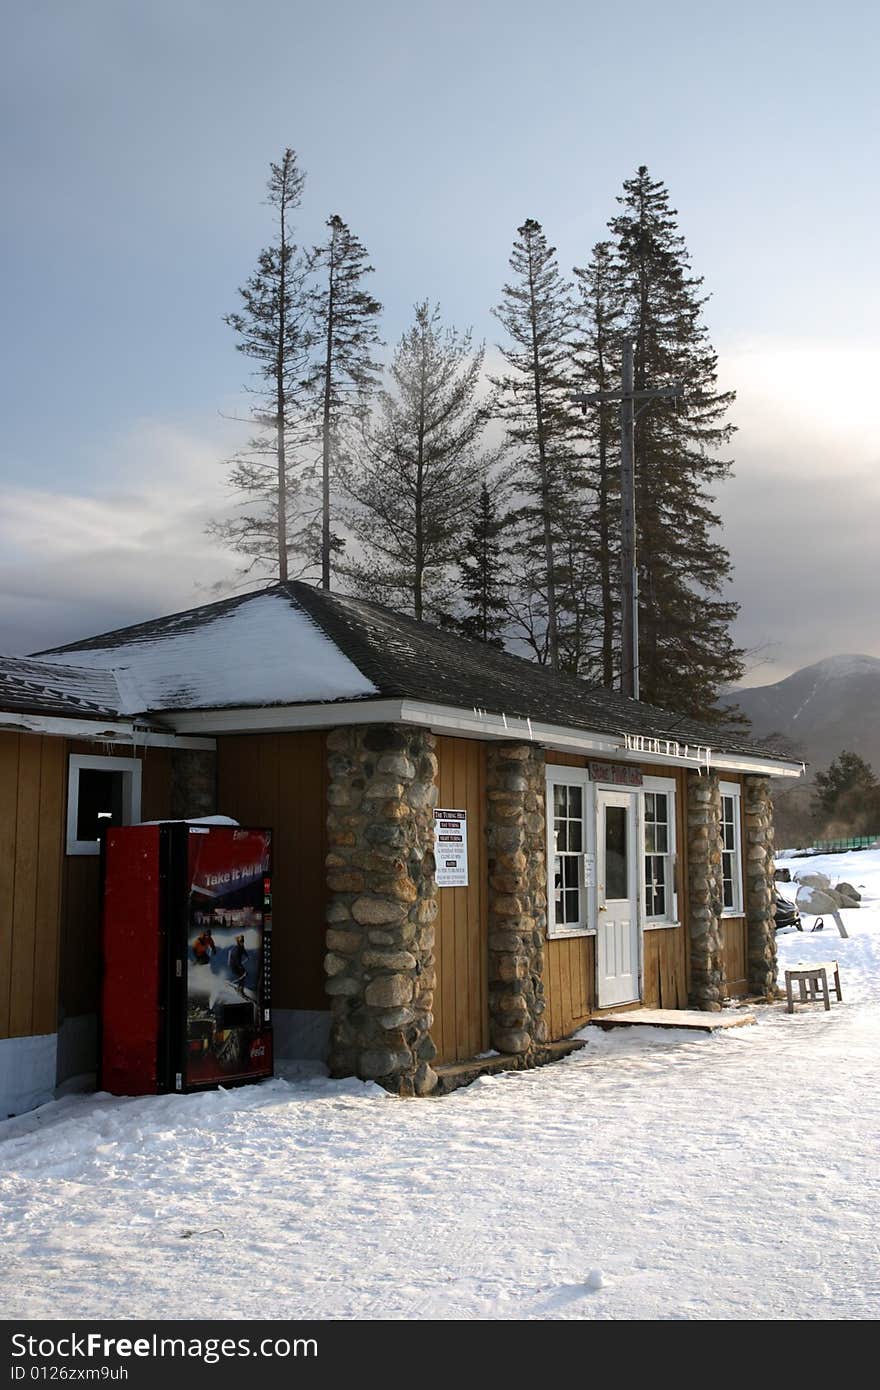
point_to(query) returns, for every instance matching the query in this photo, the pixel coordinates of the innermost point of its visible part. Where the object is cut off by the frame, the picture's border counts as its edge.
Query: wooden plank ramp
(694, 1019)
(452, 1075)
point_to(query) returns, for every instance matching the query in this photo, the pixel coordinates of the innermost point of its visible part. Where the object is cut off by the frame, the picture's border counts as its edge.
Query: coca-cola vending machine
(187, 935)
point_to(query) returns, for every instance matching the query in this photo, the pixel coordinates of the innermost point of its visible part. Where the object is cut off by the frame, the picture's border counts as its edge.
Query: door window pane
(727, 880)
(730, 856)
(658, 810)
(616, 876)
(655, 885)
(568, 863)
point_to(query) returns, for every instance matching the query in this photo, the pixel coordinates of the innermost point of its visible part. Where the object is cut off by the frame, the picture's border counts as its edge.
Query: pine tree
(848, 780)
(537, 311)
(345, 326)
(483, 579)
(686, 651)
(417, 468)
(273, 330)
(596, 367)
(579, 589)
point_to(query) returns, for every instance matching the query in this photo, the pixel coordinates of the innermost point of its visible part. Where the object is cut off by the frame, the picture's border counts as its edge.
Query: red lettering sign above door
(616, 773)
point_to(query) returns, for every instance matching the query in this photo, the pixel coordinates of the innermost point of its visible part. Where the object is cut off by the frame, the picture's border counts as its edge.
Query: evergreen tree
(345, 327)
(417, 468)
(537, 311)
(578, 589)
(273, 330)
(686, 651)
(597, 367)
(482, 572)
(848, 784)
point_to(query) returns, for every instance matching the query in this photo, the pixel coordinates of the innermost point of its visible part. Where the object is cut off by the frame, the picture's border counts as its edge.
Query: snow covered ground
(653, 1175)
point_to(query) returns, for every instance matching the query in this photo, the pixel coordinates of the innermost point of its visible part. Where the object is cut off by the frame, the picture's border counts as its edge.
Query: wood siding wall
(735, 956)
(279, 781)
(664, 969)
(570, 969)
(81, 890)
(666, 957)
(50, 902)
(569, 984)
(569, 962)
(734, 930)
(461, 1016)
(33, 787)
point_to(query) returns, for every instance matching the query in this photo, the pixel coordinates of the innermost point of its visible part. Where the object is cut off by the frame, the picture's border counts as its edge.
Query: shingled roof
(383, 655)
(420, 661)
(28, 686)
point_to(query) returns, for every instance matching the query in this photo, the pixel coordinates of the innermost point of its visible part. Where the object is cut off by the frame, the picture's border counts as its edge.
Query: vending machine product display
(187, 933)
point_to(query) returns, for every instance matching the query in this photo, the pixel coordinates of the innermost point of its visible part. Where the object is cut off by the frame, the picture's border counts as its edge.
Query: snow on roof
(296, 644)
(259, 650)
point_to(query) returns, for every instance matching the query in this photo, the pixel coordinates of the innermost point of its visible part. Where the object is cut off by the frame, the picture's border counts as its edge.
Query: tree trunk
(279, 406)
(420, 487)
(552, 629)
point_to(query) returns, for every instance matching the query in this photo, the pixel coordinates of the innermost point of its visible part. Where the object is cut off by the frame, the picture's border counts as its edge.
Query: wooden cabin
(472, 854)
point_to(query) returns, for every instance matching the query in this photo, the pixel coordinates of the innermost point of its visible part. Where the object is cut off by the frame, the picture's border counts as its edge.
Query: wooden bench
(812, 982)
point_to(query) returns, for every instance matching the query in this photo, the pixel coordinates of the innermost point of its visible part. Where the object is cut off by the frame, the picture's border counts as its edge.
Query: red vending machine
(187, 936)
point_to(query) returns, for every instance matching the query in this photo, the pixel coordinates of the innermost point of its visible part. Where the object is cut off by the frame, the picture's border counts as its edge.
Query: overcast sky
(136, 144)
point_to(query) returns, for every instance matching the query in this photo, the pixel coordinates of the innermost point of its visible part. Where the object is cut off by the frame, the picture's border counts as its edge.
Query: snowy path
(733, 1176)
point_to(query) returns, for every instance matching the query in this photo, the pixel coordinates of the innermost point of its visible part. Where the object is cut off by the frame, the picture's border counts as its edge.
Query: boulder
(846, 890)
(813, 880)
(816, 900)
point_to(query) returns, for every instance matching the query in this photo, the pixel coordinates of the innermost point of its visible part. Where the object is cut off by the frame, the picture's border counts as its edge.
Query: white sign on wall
(450, 848)
(589, 871)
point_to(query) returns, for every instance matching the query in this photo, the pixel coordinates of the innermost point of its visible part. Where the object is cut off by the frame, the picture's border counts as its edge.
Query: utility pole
(629, 603)
(629, 573)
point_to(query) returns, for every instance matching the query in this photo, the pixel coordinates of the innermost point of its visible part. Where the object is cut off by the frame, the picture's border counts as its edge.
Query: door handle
(603, 909)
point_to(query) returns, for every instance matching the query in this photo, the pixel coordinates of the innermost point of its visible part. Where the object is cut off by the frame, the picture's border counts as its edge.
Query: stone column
(193, 783)
(759, 873)
(382, 905)
(705, 890)
(517, 896)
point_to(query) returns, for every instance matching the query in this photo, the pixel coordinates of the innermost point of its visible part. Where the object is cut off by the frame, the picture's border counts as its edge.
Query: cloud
(800, 516)
(805, 398)
(77, 564)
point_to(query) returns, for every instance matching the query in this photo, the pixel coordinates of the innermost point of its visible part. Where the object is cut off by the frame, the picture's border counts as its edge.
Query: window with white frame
(100, 792)
(731, 849)
(658, 814)
(567, 833)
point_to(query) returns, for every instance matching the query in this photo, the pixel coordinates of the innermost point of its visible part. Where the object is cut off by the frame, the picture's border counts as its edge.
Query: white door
(617, 942)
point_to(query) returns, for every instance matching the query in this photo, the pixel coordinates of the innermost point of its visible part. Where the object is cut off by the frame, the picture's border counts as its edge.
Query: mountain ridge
(820, 709)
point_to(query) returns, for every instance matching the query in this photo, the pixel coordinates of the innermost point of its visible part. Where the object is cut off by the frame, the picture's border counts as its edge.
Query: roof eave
(477, 724)
(98, 730)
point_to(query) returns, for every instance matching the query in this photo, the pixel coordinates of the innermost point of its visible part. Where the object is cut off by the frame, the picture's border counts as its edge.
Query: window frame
(733, 790)
(131, 794)
(559, 774)
(668, 787)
